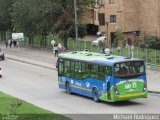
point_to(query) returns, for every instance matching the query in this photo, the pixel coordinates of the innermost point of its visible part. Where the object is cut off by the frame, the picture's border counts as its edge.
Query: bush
(151, 42)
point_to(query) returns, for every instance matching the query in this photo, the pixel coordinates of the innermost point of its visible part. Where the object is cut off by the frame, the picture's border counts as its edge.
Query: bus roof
(97, 58)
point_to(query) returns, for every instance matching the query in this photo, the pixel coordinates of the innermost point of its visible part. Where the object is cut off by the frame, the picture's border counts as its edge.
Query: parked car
(0, 72)
(2, 57)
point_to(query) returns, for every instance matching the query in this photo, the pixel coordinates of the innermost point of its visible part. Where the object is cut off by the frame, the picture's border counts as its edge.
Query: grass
(27, 111)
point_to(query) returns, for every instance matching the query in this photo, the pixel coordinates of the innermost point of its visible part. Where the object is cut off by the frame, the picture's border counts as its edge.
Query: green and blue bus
(103, 77)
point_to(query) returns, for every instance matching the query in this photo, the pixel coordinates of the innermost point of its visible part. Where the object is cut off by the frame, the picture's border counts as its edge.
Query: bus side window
(108, 71)
(85, 70)
(71, 69)
(93, 72)
(67, 68)
(60, 68)
(101, 73)
(78, 70)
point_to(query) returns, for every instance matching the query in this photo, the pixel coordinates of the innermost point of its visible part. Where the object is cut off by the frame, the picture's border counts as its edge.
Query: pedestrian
(17, 45)
(60, 48)
(55, 50)
(14, 43)
(53, 43)
(6, 43)
(9, 41)
(10, 44)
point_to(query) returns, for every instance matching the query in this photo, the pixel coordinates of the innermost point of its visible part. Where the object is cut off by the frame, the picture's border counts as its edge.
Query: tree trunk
(30, 40)
(3, 35)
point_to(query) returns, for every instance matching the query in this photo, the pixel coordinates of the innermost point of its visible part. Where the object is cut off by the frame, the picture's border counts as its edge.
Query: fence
(152, 57)
(71, 43)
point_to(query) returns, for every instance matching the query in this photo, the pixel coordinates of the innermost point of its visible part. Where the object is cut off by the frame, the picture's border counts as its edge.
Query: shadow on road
(123, 103)
(116, 104)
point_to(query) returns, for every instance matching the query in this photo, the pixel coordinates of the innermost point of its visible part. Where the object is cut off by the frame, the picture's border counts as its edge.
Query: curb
(23, 61)
(155, 92)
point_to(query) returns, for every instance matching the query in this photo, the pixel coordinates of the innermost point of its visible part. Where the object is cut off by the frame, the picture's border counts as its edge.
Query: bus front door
(108, 86)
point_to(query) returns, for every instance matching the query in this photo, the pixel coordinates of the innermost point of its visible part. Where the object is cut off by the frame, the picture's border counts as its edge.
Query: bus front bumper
(130, 96)
(114, 97)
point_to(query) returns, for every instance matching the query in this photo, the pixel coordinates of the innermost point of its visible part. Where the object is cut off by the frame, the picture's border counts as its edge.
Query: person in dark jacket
(6, 42)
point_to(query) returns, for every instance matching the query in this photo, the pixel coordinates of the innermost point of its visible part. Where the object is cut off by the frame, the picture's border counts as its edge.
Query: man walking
(6, 43)
(56, 50)
(10, 44)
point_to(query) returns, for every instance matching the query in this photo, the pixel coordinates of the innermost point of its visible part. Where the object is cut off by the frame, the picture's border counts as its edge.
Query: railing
(151, 56)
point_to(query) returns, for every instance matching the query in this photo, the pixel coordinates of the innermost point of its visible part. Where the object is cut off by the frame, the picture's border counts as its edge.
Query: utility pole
(76, 24)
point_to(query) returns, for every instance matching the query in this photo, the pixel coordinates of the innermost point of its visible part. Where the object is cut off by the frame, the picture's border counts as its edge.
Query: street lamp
(107, 33)
(76, 24)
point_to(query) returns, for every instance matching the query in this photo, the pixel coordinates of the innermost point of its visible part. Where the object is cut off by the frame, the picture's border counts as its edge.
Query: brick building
(135, 18)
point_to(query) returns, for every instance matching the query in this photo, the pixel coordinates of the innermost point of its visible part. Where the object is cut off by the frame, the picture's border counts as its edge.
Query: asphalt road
(39, 86)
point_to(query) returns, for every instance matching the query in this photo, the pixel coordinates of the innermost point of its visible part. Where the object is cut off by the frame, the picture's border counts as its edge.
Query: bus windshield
(130, 68)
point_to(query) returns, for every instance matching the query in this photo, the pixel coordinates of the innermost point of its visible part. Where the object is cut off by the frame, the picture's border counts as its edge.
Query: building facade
(135, 18)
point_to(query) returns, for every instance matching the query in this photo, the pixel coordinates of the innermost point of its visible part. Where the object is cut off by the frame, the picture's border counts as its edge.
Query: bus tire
(68, 88)
(95, 95)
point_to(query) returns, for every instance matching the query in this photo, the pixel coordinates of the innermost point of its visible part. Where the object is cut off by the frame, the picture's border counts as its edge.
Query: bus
(102, 77)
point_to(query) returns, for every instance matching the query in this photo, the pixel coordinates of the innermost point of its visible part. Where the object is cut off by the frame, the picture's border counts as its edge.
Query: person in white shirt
(55, 50)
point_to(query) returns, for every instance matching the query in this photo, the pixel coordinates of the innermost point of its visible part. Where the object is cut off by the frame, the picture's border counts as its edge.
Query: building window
(113, 18)
(112, 1)
(101, 19)
(100, 2)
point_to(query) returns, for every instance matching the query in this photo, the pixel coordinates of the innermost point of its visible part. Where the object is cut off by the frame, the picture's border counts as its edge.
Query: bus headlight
(116, 90)
(145, 86)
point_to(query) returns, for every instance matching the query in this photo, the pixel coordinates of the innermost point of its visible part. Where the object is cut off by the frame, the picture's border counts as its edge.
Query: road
(39, 86)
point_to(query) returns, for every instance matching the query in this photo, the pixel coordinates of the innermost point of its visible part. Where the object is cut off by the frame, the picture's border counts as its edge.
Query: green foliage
(65, 25)
(34, 16)
(14, 105)
(42, 17)
(118, 41)
(5, 18)
(151, 42)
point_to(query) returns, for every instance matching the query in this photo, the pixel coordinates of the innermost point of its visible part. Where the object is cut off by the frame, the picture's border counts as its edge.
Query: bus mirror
(57, 63)
(56, 66)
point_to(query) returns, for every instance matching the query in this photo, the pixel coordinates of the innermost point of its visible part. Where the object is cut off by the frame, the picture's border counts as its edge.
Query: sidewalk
(32, 56)
(46, 59)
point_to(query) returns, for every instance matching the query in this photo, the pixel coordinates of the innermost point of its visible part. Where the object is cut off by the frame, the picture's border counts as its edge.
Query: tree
(34, 17)
(22, 19)
(151, 42)
(5, 18)
(40, 17)
(118, 41)
(65, 25)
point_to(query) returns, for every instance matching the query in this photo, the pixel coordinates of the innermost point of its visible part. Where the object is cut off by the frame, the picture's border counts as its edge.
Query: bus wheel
(68, 88)
(95, 95)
